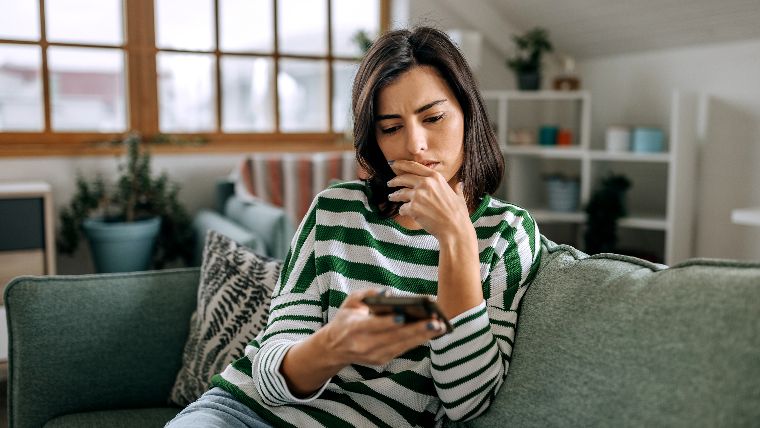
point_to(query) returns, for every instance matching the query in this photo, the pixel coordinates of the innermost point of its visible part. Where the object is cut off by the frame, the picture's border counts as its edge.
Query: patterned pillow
(233, 306)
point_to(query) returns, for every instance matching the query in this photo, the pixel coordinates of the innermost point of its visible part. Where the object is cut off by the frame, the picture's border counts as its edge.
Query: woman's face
(419, 118)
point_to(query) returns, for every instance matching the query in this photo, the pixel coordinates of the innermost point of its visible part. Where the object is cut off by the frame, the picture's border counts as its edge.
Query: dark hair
(390, 56)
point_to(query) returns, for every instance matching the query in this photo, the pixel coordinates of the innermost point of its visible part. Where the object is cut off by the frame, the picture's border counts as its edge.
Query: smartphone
(413, 308)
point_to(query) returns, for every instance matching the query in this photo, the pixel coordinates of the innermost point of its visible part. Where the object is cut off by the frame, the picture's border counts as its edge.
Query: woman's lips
(430, 164)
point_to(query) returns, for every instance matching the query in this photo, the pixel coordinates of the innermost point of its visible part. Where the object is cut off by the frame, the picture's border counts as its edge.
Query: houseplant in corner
(134, 224)
(526, 63)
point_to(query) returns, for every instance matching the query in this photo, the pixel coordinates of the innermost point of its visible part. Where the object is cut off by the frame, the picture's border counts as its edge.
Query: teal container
(648, 140)
(547, 135)
(122, 247)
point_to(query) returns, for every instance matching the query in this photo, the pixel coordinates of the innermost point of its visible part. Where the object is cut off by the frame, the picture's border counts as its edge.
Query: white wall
(196, 174)
(635, 89)
(492, 73)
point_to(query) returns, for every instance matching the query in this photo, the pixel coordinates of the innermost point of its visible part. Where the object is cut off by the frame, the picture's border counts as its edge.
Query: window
(232, 71)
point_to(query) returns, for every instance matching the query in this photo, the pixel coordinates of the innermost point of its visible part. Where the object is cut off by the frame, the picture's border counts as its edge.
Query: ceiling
(589, 28)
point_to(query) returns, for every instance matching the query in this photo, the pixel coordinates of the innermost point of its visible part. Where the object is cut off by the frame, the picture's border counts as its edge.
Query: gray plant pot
(122, 247)
(529, 81)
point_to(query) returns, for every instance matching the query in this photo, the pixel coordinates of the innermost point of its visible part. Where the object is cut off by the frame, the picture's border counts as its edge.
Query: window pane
(348, 18)
(20, 88)
(247, 94)
(343, 78)
(185, 24)
(246, 25)
(186, 92)
(87, 89)
(302, 26)
(84, 21)
(303, 95)
(19, 19)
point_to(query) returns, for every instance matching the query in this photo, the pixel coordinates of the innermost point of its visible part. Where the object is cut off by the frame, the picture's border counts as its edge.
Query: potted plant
(526, 63)
(136, 223)
(605, 208)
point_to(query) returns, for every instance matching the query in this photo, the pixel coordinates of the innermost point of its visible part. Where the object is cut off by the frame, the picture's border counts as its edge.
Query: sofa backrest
(610, 340)
(95, 342)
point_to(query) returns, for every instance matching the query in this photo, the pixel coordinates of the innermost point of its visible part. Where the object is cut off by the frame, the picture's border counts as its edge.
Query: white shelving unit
(660, 202)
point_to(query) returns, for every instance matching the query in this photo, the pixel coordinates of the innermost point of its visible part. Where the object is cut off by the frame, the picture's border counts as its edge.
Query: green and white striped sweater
(343, 245)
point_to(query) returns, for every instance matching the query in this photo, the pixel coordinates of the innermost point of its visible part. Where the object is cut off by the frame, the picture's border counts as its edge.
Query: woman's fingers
(401, 167)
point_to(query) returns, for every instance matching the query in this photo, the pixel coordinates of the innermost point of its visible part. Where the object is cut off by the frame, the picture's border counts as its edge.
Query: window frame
(141, 83)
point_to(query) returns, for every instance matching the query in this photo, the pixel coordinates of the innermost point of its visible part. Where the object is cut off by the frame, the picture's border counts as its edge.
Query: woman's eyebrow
(427, 106)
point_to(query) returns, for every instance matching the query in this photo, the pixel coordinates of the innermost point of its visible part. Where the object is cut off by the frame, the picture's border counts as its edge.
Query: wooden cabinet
(27, 243)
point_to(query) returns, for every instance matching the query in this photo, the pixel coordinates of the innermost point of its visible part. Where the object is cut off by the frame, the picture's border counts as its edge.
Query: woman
(423, 224)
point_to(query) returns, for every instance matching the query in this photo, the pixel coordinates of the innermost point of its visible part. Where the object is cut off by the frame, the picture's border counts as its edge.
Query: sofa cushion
(610, 340)
(93, 342)
(129, 418)
(233, 306)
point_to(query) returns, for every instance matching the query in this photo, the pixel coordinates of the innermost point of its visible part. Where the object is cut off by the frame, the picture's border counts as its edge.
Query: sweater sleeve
(469, 365)
(296, 313)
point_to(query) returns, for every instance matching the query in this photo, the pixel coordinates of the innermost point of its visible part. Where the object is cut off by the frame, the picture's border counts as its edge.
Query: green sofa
(606, 340)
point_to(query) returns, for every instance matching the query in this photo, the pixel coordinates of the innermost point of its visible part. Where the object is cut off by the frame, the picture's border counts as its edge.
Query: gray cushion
(611, 340)
(151, 417)
(233, 306)
(269, 222)
(94, 342)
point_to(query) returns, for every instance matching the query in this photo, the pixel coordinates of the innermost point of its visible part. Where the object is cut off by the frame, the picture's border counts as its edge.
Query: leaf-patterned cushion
(233, 306)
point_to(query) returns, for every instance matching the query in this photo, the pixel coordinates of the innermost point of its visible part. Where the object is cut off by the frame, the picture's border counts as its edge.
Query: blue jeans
(217, 408)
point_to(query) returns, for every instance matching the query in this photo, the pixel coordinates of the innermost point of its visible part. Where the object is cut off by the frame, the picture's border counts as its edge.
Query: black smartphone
(413, 308)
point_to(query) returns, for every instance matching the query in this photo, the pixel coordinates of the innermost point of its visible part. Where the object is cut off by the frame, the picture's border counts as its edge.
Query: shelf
(746, 216)
(548, 216)
(629, 156)
(550, 152)
(646, 222)
(535, 95)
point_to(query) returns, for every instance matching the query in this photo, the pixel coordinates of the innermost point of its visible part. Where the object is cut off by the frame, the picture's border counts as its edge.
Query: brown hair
(390, 56)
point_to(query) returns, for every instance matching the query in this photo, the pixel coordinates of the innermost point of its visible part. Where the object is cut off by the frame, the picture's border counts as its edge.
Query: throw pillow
(233, 306)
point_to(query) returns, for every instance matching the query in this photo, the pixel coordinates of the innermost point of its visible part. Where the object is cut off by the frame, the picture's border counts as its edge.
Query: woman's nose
(416, 139)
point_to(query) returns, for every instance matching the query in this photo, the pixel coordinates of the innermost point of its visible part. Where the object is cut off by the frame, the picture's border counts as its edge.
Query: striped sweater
(344, 245)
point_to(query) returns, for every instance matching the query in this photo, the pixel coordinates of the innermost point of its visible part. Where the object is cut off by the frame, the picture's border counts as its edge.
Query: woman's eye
(390, 130)
(435, 118)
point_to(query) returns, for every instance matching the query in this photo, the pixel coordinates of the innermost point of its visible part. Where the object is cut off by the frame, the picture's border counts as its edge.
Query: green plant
(605, 207)
(362, 40)
(530, 47)
(136, 195)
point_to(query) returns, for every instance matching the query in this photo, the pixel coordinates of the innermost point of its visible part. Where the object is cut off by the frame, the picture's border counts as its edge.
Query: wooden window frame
(141, 84)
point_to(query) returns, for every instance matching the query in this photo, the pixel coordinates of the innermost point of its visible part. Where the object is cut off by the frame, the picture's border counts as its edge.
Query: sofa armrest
(267, 221)
(95, 342)
(207, 220)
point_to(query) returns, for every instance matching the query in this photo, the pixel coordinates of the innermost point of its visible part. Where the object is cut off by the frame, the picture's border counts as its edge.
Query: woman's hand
(428, 199)
(443, 212)
(353, 336)
(356, 336)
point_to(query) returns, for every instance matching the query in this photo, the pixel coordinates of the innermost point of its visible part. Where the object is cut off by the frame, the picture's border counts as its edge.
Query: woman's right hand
(354, 335)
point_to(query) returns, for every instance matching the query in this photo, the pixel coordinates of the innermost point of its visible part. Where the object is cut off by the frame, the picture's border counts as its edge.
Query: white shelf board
(535, 95)
(746, 216)
(645, 222)
(548, 216)
(552, 152)
(630, 156)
